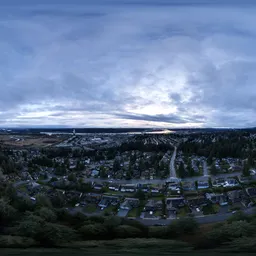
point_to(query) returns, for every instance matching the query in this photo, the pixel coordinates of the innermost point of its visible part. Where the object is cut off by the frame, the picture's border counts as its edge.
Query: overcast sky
(109, 63)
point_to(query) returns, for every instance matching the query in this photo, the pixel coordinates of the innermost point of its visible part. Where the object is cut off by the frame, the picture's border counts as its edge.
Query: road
(172, 164)
(205, 167)
(205, 219)
(200, 219)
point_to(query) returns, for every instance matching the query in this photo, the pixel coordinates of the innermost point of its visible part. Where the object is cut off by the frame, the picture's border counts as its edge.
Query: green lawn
(132, 213)
(90, 208)
(210, 209)
(158, 213)
(157, 198)
(183, 212)
(110, 209)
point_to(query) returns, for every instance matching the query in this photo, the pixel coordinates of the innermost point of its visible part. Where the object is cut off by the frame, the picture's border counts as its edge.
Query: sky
(128, 63)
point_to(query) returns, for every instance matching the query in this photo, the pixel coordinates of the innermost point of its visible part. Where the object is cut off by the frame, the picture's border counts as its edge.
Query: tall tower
(74, 132)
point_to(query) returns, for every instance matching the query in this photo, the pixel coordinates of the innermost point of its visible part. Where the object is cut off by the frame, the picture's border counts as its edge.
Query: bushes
(46, 233)
(31, 226)
(46, 214)
(238, 216)
(94, 231)
(136, 224)
(125, 231)
(182, 226)
(55, 234)
(23, 204)
(229, 232)
(157, 232)
(7, 212)
(16, 242)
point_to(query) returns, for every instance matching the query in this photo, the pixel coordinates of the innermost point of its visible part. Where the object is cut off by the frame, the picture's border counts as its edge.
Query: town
(151, 177)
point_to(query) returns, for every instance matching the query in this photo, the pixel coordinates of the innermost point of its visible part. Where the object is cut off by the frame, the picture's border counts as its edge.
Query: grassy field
(108, 252)
(90, 208)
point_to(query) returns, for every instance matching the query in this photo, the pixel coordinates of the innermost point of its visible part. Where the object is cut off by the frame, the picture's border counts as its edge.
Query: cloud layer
(126, 65)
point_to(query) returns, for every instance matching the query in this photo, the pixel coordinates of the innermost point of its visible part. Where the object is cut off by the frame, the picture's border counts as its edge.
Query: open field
(29, 140)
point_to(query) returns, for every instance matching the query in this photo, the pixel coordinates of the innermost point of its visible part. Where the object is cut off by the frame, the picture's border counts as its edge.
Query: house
(144, 187)
(197, 201)
(155, 190)
(231, 182)
(251, 192)
(188, 186)
(107, 200)
(153, 205)
(128, 188)
(219, 182)
(202, 184)
(98, 186)
(93, 197)
(95, 173)
(130, 203)
(173, 186)
(87, 161)
(174, 203)
(114, 187)
(236, 196)
(221, 199)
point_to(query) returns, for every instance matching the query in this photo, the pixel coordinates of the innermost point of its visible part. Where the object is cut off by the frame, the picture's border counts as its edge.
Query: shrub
(7, 212)
(55, 234)
(31, 226)
(229, 232)
(125, 231)
(157, 232)
(94, 231)
(16, 242)
(47, 214)
(239, 215)
(182, 226)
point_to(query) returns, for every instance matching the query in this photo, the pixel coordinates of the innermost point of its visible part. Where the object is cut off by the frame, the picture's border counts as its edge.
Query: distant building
(74, 132)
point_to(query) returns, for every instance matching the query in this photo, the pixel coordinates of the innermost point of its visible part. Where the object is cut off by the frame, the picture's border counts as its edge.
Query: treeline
(233, 144)
(139, 144)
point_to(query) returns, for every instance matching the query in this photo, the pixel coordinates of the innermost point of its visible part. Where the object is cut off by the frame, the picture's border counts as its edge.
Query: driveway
(122, 213)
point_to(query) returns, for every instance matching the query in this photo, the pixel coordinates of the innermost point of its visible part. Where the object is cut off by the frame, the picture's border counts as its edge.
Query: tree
(237, 216)
(128, 175)
(116, 166)
(47, 214)
(190, 169)
(125, 231)
(58, 200)
(23, 204)
(140, 195)
(181, 171)
(7, 212)
(182, 226)
(53, 179)
(214, 170)
(11, 193)
(94, 231)
(246, 169)
(103, 173)
(56, 234)
(43, 201)
(229, 232)
(210, 182)
(196, 184)
(60, 170)
(72, 177)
